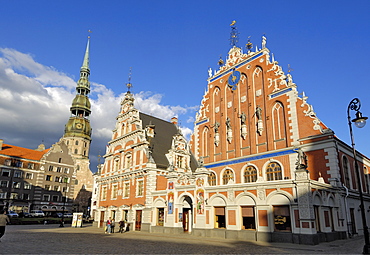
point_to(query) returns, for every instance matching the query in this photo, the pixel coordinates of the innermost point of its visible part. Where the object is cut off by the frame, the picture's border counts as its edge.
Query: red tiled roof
(20, 152)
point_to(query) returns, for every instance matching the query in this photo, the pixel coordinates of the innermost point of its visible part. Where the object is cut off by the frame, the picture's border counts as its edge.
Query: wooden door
(138, 220)
(185, 220)
(101, 219)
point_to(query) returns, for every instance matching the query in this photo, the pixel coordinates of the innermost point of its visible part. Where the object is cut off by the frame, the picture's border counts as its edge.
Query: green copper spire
(78, 124)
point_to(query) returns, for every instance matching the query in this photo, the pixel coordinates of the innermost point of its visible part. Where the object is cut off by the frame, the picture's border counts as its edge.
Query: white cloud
(35, 101)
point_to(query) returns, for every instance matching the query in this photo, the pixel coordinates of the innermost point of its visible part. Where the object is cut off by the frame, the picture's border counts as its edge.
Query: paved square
(50, 239)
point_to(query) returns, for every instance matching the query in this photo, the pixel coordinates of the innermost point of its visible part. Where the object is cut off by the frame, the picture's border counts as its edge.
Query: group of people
(110, 225)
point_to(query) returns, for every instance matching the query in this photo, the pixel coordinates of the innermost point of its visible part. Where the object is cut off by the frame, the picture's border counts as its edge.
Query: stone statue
(228, 124)
(258, 112)
(216, 126)
(243, 118)
(210, 72)
(263, 42)
(301, 158)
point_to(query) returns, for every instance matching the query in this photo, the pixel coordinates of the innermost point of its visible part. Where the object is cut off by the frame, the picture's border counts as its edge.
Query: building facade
(40, 179)
(260, 164)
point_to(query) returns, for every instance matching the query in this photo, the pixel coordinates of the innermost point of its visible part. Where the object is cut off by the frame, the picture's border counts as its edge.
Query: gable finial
(249, 45)
(129, 84)
(234, 35)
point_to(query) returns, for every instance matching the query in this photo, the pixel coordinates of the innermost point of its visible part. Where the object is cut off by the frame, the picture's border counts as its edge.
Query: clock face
(233, 79)
(79, 126)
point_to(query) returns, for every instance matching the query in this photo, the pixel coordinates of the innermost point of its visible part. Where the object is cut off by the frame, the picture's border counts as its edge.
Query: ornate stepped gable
(140, 140)
(250, 97)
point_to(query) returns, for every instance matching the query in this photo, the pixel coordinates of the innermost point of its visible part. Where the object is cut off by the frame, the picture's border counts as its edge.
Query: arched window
(205, 141)
(346, 172)
(227, 176)
(273, 172)
(250, 174)
(278, 121)
(212, 179)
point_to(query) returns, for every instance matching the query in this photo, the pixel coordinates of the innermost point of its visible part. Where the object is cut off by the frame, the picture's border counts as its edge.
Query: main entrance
(138, 220)
(187, 218)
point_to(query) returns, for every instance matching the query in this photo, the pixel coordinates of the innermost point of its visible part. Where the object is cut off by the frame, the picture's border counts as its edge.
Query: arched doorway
(187, 214)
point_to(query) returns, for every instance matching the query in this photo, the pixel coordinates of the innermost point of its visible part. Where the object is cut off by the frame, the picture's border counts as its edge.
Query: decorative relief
(258, 93)
(217, 109)
(231, 195)
(229, 104)
(310, 113)
(243, 99)
(261, 194)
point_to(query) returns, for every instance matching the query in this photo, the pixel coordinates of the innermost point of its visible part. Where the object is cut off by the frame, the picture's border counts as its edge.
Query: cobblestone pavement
(50, 239)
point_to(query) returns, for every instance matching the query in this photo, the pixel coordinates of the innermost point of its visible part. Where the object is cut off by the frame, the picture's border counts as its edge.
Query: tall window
(278, 121)
(212, 179)
(104, 193)
(51, 168)
(248, 218)
(273, 172)
(114, 191)
(116, 164)
(227, 176)
(346, 172)
(127, 190)
(205, 141)
(128, 161)
(250, 174)
(28, 175)
(140, 188)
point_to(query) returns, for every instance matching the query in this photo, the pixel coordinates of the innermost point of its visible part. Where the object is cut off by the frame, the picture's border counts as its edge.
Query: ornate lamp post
(359, 122)
(64, 202)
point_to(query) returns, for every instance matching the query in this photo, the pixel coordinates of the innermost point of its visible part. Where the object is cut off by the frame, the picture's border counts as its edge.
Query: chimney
(1, 144)
(174, 120)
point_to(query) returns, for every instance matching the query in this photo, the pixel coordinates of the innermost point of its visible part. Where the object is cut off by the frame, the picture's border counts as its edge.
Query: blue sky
(170, 45)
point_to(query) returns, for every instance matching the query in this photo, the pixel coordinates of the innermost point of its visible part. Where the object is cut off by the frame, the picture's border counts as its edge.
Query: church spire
(85, 64)
(79, 124)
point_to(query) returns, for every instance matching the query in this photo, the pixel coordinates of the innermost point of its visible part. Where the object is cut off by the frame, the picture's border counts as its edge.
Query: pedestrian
(108, 226)
(121, 226)
(112, 225)
(3, 221)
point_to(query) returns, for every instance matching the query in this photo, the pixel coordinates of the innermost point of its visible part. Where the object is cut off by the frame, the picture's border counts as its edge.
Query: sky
(170, 45)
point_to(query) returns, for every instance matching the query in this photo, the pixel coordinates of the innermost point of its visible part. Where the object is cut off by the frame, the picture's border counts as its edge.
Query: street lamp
(64, 178)
(359, 122)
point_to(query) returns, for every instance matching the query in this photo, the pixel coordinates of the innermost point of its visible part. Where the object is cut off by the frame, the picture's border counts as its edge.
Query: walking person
(112, 225)
(3, 221)
(108, 226)
(121, 226)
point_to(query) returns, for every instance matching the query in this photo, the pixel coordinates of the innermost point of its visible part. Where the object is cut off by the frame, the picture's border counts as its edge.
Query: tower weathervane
(234, 35)
(129, 84)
